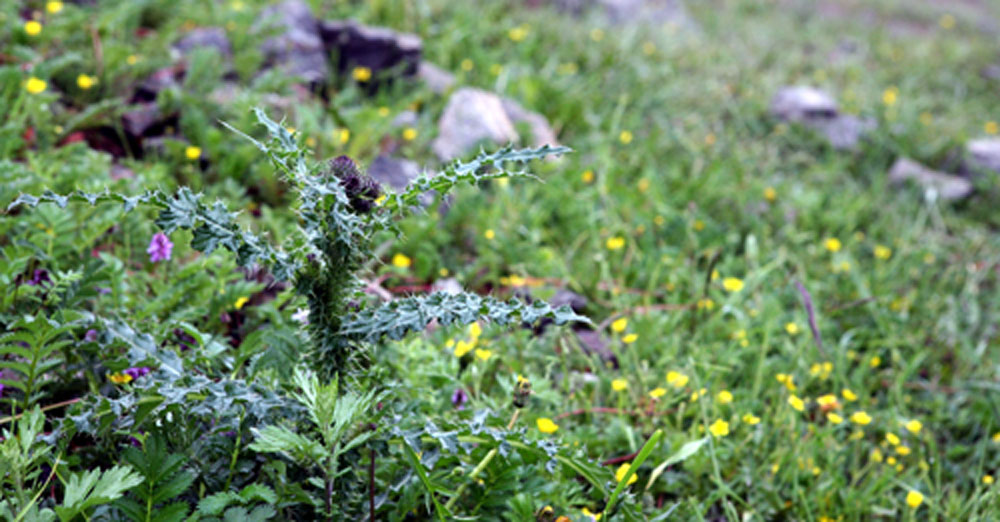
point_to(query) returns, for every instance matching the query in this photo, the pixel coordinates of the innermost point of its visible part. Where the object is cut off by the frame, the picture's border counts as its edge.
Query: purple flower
(41, 276)
(90, 336)
(1, 389)
(134, 442)
(459, 398)
(159, 248)
(137, 372)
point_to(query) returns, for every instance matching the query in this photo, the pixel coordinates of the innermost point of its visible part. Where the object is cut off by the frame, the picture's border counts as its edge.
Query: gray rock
(138, 122)
(569, 298)
(405, 119)
(470, 117)
(438, 80)
(213, 37)
(803, 104)
(947, 186)
(844, 131)
(448, 285)
(818, 110)
(663, 12)
(377, 48)
(397, 173)
(541, 131)
(983, 155)
(591, 341)
(297, 48)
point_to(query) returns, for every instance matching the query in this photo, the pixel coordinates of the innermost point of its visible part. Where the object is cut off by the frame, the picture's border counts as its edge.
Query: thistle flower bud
(522, 391)
(361, 190)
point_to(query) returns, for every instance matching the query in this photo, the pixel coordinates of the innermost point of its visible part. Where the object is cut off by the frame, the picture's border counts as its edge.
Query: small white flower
(301, 315)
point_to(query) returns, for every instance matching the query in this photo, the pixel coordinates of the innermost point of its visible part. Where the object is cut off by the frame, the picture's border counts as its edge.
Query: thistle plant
(340, 208)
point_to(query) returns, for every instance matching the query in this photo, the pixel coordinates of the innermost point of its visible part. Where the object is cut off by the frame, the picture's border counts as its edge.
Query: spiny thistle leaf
(213, 227)
(484, 166)
(397, 318)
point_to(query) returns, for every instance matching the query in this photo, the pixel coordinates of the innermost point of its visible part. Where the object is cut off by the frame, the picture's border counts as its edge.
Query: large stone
(541, 131)
(377, 48)
(983, 155)
(438, 80)
(947, 186)
(663, 12)
(472, 116)
(297, 47)
(212, 37)
(803, 104)
(397, 173)
(818, 110)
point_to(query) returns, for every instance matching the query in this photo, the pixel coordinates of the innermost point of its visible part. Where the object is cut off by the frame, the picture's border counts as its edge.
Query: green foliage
(334, 432)
(31, 348)
(93, 488)
(164, 480)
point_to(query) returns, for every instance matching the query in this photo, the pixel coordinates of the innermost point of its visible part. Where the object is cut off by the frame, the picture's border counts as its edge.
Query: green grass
(687, 195)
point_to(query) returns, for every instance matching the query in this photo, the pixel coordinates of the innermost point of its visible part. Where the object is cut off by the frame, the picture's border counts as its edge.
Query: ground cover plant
(694, 308)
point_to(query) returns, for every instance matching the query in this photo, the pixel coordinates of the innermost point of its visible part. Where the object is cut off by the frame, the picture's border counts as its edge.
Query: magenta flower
(159, 248)
(137, 372)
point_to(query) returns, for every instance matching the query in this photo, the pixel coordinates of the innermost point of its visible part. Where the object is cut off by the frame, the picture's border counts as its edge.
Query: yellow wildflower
(914, 499)
(35, 85)
(706, 304)
(240, 302)
(483, 354)
(987, 479)
(85, 82)
(120, 378)
(656, 393)
(796, 403)
(882, 252)
(619, 384)
(892, 438)
(630, 338)
(625, 137)
(792, 328)
(343, 136)
(834, 418)
(466, 65)
(622, 471)
(847, 394)
(832, 244)
(751, 419)
(677, 379)
(192, 153)
(827, 401)
(619, 325)
(592, 515)
(724, 397)
(545, 425)
(409, 134)
(875, 361)
(517, 34)
(861, 417)
(401, 261)
(890, 95)
(732, 284)
(54, 7)
(32, 27)
(914, 426)
(362, 74)
(463, 347)
(991, 127)
(719, 428)
(587, 176)
(876, 455)
(770, 194)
